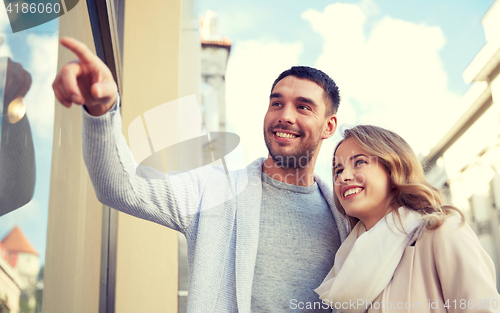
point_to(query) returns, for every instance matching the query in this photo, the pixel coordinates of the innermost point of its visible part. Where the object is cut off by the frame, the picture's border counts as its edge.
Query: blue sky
(459, 20)
(398, 64)
(391, 59)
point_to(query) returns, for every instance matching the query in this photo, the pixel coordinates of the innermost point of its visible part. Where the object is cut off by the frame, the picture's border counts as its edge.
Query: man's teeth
(352, 191)
(285, 135)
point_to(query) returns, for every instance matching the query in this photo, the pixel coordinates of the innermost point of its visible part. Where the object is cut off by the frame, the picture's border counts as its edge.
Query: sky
(398, 65)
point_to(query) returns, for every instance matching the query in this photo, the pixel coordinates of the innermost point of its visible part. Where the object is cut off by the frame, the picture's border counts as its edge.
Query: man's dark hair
(331, 91)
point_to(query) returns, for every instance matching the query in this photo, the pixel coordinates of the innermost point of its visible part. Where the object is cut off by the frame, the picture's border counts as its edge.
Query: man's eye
(338, 172)
(303, 107)
(275, 104)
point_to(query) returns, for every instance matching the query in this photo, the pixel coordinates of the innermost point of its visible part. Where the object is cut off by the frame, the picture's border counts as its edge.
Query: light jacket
(442, 270)
(219, 219)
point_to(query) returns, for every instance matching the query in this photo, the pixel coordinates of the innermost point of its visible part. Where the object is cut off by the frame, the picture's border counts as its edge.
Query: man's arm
(173, 201)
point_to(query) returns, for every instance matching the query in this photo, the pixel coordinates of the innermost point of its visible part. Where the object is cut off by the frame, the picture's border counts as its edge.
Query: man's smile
(285, 135)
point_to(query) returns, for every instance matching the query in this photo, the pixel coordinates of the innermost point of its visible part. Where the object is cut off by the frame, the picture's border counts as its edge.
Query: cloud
(251, 71)
(4, 22)
(4, 30)
(40, 99)
(392, 75)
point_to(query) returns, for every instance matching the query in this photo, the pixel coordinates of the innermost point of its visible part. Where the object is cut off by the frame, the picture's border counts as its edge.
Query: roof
(16, 241)
(222, 42)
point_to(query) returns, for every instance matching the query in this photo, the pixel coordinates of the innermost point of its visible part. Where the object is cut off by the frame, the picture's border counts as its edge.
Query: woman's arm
(465, 270)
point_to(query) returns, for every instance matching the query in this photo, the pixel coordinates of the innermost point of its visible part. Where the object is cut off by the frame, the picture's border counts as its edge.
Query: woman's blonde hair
(412, 190)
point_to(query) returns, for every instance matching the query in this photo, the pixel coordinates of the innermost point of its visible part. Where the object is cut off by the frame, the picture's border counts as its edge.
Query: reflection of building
(466, 161)
(21, 255)
(10, 284)
(20, 264)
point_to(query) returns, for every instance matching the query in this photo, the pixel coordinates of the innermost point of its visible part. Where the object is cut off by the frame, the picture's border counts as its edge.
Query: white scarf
(366, 261)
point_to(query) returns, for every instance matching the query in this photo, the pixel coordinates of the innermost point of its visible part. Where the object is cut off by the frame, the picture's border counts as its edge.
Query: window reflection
(17, 160)
(28, 62)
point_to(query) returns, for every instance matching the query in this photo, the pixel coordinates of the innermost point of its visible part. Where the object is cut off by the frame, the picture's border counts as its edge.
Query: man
(17, 154)
(262, 244)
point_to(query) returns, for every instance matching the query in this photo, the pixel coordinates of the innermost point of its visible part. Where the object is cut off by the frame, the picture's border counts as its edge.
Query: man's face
(295, 122)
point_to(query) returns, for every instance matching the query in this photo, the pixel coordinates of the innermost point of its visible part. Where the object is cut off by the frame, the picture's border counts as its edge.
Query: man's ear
(330, 127)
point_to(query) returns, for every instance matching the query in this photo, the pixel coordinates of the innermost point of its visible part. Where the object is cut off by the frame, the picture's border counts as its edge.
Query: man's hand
(86, 81)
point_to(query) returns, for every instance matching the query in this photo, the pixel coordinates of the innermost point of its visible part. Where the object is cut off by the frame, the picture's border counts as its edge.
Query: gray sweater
(219, 216)
(298, 240)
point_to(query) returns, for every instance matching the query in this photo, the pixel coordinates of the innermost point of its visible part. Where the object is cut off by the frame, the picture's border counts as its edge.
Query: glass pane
(28, 61)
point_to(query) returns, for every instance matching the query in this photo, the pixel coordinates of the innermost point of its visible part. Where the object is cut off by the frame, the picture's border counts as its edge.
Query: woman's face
(361, 183)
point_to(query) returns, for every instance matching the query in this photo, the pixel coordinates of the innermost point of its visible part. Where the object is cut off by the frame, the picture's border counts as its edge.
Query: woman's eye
(359, 162)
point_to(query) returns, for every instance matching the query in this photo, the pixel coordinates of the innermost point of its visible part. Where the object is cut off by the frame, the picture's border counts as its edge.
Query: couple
(272, 247)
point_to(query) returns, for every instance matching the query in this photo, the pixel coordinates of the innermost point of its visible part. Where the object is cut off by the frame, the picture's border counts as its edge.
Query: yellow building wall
(147, 254)
(73, 251)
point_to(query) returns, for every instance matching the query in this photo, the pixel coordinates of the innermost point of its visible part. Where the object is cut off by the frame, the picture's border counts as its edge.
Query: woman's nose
(346, 176)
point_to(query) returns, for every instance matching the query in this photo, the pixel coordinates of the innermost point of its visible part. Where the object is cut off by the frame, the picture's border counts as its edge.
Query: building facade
(20, 266)
(10, 286)
(466, 161)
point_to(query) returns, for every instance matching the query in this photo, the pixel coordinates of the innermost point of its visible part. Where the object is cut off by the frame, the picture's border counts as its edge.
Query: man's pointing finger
(79, 48)
(68, 79)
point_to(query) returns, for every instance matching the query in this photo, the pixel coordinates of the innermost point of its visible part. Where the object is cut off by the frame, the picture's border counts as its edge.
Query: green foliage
(24, 306)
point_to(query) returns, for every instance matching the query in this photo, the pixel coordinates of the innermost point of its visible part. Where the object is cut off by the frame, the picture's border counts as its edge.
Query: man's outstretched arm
(88, 81)
(173, 201)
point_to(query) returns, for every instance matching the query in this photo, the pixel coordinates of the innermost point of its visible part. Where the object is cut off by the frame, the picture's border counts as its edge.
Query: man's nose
(287, 115)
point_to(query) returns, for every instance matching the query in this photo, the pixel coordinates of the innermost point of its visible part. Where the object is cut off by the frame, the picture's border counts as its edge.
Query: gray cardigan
(218, 216)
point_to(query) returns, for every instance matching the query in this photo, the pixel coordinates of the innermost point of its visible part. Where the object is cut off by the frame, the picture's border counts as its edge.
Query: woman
(406, 251)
